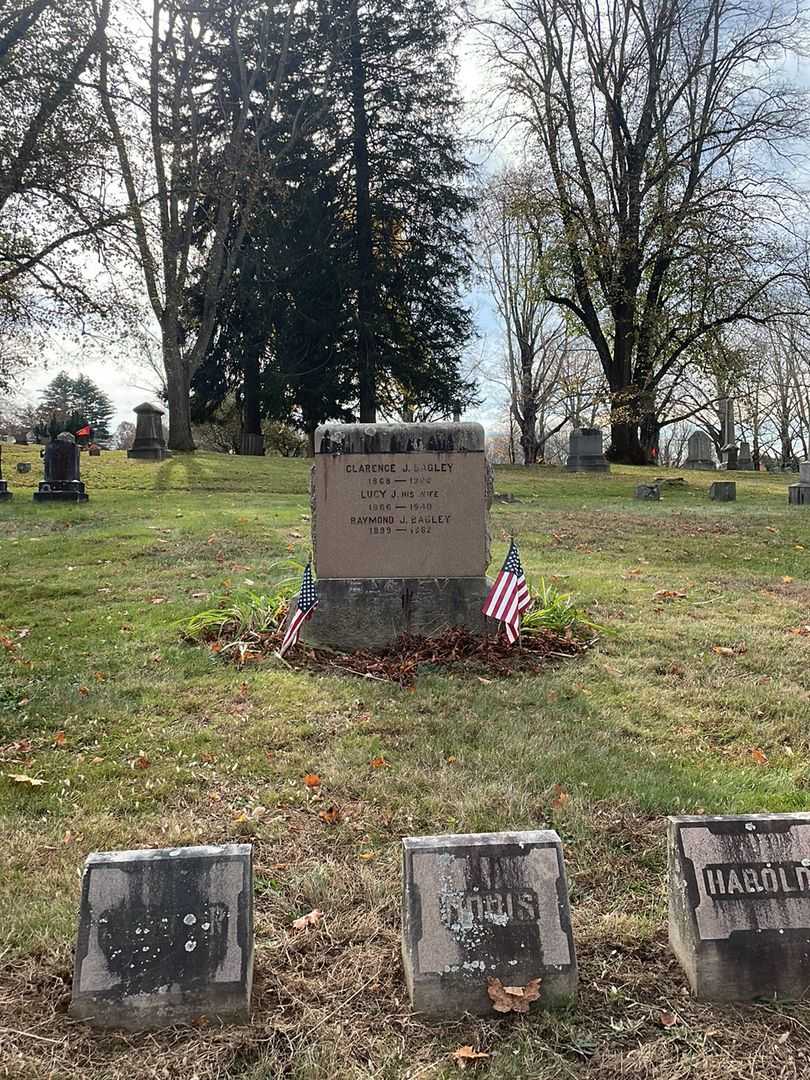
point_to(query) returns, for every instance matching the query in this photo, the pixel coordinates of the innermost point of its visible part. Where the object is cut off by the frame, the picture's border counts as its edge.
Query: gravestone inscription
(739, 904)
(483, 907)
(399, 522)
(165, 937)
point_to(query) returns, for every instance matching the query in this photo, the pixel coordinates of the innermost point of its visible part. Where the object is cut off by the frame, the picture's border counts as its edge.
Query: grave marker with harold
(165, 937)
(739, 904)
(399, 526)
(483, 907)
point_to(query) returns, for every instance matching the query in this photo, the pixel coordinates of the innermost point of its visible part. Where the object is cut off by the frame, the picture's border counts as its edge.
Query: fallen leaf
(366, 856)
(452, 760)
(378, 763)
(722, 650)
(330, 816)
(312, 780)
(158, 600)
(800, 631)
(313, 918)
(561, 798)
(216, 647)
(759, 756)
(465, 1055)
(512, 998)
(141, 761)
(59, 738)
(21, 778)
(199, 595)
(486, 682)
(84, 691)
(99, 676)
(669, 594)
(668, 1020)
(786, 580)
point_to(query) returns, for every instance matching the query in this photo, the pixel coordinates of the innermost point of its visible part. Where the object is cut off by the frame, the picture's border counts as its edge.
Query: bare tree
(192, 204)
(661, 129)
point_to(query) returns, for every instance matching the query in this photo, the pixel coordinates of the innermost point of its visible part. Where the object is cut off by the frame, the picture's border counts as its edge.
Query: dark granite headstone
(62, 481)
(149, 443)
(648, 491)
(739, 904)
(585, 451)
(165, 937)
(745, 463)
(94, 451)
(723, 491)
(5, 494)
(481, 907)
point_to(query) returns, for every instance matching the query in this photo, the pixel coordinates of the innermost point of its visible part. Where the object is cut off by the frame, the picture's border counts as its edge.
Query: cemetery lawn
(115, 733)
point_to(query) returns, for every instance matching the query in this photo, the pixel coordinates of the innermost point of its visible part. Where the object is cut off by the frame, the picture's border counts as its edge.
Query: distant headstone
(23, 466)
(251, 445)
(739, 904)
(745, 463)
(799, 494)
(648, 491)
(399, 526)
(165, 937)
(723, 491)
(730, 457)
(93, 450)
(585, 451)
(476, 908)
(149, 443)
(700, 452)
(62, 481)
(5, 494)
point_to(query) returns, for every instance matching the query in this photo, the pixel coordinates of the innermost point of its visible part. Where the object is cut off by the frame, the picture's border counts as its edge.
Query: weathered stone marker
(165, 937)
(62, 481)
(799, 494)
(149, 443)
(739, 904)
(5, 494)
(399, 526)
(745, 462)
(648, 491)
(723, 491)
(585, 451)
(480, 907)
(700, 452)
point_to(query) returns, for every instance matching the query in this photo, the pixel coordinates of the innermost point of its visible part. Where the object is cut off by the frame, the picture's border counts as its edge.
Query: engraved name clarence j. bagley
(757, 880)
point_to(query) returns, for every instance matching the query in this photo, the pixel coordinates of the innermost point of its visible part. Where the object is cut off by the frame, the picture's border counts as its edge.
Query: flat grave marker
(165, 937)
(739, 904)
(482, 907)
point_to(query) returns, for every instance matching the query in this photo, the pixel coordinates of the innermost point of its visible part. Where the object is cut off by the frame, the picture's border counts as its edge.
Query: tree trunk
(252, 442)
(625, 414)
(178, 392)
(650, 439)
(366, 350)
(528, 413)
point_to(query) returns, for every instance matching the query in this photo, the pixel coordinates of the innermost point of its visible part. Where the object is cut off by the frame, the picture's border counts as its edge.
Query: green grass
(653, 721)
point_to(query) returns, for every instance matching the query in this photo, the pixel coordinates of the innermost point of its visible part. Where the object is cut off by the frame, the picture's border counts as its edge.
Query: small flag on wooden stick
(307, 602)
(509, 596)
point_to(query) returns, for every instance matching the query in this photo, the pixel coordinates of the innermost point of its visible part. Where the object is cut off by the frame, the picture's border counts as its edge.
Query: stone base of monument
(799, 495)
(149, 453)
(165, 937)
(485, 907)
(61, 491)
(356, 613)
(723, 491)
(648, 491)
(739, 905)
(5, 494)
(705, 464)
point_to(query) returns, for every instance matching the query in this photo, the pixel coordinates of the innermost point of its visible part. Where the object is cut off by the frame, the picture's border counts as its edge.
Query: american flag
(307, 602)
(509, 596)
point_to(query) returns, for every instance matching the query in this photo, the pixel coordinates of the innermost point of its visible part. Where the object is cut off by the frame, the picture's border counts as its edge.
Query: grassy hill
(697, 698)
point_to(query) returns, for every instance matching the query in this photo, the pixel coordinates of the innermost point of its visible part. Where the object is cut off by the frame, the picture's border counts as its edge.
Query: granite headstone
(723, 491)
(165, 937)
(399, 526)
(149, 443)
(739, 904)
(585, 451)
(62, 465)
(700, 452)
(745, 462)
(5, 494)
(799, 494)
(483, 907)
